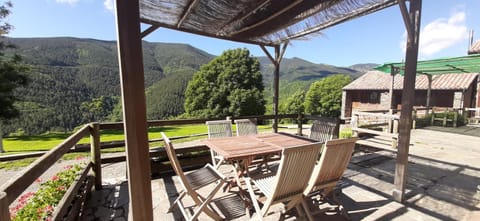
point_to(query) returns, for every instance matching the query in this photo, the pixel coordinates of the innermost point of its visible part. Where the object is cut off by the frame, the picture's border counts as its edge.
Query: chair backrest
(172, 156)
(294, 171)
(322, 130)
(219, 128)
(246, 127)
(334, 159)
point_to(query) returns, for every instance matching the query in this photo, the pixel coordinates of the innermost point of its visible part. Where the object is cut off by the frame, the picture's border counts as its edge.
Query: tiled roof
(376, 80)
(475, 49)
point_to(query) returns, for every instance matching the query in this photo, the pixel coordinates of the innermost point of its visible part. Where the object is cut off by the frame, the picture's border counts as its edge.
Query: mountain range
(73, 80)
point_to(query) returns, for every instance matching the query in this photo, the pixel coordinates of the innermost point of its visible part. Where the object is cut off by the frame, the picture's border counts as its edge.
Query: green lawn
(19, 144)
(22, 144)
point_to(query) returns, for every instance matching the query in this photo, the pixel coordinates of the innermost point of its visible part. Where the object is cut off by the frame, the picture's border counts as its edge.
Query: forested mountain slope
(74, 81)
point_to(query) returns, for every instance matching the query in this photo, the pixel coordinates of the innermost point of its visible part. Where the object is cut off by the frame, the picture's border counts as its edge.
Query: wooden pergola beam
(235, 39)
(406, 19)
(339, 21)
(187, 12)
(130, 59)
(271, 17)
(241, 17)
(149, 30)
(408, 98)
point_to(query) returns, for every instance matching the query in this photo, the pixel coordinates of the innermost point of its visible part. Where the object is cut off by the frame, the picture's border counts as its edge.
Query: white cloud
(70, 2)
(440, 34)
(108, 5)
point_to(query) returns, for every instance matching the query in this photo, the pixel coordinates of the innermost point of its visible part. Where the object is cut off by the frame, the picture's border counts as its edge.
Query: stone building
(371, 92)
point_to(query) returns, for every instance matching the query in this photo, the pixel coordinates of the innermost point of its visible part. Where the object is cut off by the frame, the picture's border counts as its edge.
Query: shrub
(346, 133)
(41, 204)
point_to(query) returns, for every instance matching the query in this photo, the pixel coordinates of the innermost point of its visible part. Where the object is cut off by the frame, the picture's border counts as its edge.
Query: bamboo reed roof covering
(263, 22)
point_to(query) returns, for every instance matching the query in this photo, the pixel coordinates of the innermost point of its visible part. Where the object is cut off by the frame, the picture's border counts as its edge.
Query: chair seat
(202, 177)
(265, 184)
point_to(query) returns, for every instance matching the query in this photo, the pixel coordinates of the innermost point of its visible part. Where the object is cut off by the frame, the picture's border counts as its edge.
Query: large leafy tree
(295, 104)
(325, 96)
(229, 85)
(10, 69)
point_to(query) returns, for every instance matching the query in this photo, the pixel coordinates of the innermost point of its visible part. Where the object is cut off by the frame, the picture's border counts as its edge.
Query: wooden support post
(276, 78)
(1, 139)
(4, 211)
(408, 97)
(300, 124)
(95, 154)
(390, 91)
(429, 91)
(276, 83)
(129, 47)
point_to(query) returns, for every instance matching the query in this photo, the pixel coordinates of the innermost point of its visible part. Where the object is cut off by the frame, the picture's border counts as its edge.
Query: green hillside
(74, 81)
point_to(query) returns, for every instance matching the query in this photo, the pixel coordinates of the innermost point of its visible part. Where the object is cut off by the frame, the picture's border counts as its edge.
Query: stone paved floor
(443, 184)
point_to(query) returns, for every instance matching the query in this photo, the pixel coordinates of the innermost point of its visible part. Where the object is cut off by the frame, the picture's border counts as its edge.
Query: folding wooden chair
(322, 130)
(218, 128)
(288, 184)
(334, 159)
(193, 181)
(246, 127)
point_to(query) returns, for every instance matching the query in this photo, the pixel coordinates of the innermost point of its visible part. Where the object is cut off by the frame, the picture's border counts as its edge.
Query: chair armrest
(209, 166)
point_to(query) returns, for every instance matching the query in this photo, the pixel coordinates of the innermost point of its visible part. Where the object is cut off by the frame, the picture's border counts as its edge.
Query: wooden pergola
(265, 23)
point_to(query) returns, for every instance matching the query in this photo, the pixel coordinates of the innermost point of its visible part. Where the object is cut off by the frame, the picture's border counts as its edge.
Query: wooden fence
(70, 205)
(387, 122)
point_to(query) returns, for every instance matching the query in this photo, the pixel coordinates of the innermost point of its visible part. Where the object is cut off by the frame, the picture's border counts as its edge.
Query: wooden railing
(382, 120)
(472, 116)
(14, 187)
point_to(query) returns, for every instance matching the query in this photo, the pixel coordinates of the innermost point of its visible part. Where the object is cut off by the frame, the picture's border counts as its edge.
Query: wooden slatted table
(245, 147)
(241, 150)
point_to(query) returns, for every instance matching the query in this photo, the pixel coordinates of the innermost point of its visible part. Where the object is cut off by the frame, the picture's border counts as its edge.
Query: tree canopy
(229, 85)
(295, 104)
(325, 96)
(10, 69)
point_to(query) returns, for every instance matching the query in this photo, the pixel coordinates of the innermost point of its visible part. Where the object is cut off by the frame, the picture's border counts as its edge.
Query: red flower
(49, 208)
(61, 188)
(38, 180)
(68, 167)
(79, 158)
(54, 178)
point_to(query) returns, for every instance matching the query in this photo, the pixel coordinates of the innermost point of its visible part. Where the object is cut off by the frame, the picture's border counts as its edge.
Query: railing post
(455, 118)
(354, 124)
(299, 122)
(432, 120)
(390, 121)
(395, 131)
(4, 212)
(414, 118)
(95, 154)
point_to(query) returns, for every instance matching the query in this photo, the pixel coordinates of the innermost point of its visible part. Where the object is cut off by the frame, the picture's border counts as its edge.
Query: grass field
(45, 142)
(21, 144)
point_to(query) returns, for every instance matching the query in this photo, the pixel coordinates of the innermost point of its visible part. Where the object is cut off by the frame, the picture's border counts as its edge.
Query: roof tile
(376, 80)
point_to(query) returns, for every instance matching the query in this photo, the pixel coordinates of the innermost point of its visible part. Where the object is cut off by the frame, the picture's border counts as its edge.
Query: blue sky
(375, 38)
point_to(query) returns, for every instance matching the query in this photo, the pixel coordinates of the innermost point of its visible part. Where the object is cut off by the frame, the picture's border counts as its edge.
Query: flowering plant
(40, 205)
